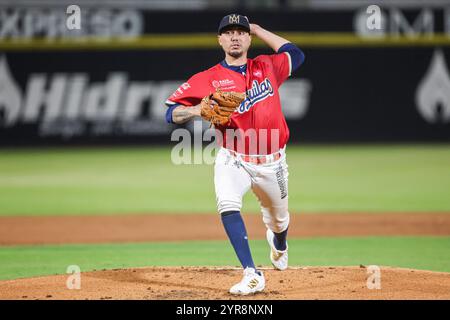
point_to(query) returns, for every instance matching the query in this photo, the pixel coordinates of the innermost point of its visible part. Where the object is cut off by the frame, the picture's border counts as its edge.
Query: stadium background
(86, 176)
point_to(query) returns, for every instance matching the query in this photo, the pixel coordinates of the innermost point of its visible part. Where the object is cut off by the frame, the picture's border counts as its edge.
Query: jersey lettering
(257, 93)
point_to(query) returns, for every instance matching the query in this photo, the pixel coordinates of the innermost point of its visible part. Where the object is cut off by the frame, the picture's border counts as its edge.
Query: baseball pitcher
(240, 97)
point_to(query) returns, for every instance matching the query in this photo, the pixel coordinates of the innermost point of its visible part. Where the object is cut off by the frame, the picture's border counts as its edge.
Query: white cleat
(279, 258)
(251, 283)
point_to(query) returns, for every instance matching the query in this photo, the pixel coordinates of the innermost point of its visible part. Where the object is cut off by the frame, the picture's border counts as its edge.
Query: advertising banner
(356, 85)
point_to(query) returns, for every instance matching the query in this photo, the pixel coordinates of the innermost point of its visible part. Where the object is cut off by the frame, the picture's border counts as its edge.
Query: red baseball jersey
(262, 123)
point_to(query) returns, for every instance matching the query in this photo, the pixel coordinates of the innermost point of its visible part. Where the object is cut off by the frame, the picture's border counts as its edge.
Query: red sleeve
(281, 63)
(191, 92)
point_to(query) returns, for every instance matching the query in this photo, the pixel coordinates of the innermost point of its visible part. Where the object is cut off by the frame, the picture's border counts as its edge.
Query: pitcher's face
(235, 41)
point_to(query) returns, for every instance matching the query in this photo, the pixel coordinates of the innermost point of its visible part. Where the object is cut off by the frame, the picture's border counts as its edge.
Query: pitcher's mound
(189, 283)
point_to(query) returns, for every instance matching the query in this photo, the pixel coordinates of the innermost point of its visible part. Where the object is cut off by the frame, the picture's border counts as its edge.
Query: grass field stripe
(39, 260)
(209, 41)
(30, 186)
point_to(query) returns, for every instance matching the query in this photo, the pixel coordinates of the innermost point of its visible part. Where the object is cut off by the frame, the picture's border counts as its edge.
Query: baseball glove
(218, 107)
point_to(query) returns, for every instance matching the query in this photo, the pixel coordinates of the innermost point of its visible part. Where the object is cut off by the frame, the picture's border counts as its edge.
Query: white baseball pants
(269, 182)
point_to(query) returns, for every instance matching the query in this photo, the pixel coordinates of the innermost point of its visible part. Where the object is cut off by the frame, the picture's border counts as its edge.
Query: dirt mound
(191, 283)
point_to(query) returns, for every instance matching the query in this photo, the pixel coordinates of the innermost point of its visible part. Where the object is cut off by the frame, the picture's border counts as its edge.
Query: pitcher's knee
(276, 222)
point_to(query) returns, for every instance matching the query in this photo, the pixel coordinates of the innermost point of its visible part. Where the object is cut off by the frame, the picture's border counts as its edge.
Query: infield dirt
(190, 283)
(142, 228)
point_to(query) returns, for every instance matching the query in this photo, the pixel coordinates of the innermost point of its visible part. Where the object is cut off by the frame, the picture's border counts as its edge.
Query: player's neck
(231, 61)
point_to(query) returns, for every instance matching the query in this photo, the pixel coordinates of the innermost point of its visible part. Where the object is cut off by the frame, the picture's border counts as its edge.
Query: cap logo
(233, 19)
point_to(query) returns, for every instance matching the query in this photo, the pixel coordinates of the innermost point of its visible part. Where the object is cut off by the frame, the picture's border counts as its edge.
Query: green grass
(427, 253)
(144, 180)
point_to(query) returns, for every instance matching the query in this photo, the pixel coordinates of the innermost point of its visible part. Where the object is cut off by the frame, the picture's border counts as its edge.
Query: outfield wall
(107, 83)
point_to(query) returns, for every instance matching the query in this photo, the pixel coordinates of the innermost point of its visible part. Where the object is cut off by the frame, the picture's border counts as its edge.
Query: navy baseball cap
(234, 20)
